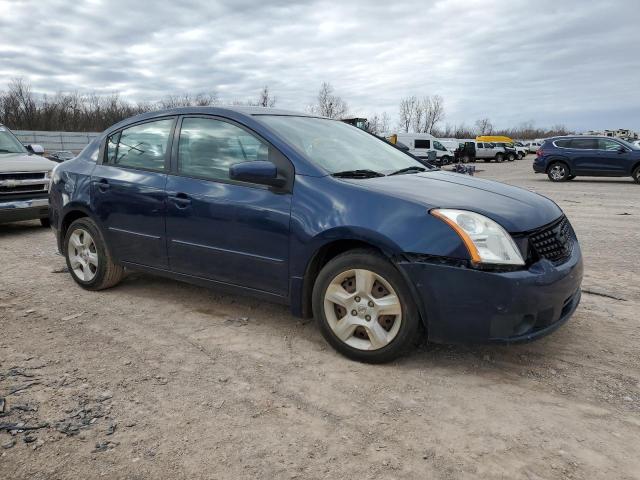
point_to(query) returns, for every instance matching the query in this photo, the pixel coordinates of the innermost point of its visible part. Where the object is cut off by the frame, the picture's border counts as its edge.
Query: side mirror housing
(260, 172)
(34, 148)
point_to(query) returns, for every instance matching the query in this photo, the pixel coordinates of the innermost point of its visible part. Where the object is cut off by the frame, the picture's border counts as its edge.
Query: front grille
(553, 242)
(16, 183)
(22, 176)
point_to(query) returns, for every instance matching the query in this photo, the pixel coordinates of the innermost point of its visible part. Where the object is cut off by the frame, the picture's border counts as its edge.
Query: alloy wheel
(558, 172)
(362, 309)
(83, 255)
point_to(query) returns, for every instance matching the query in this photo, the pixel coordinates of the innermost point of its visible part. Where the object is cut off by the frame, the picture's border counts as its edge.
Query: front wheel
(511, 157)
(558, 172)
(636, 174)
(88, 259)
(499, 158)
(364, 308)
(446, 160)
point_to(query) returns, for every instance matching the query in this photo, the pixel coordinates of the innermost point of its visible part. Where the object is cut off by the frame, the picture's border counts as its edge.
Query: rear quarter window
(422, 144)
(562, 143)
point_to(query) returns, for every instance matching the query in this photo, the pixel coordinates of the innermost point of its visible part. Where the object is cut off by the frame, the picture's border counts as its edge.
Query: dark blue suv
(565, 158)
(321, 216)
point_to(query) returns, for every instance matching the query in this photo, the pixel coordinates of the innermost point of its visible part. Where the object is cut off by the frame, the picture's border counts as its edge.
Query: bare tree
(328, 104)
(433, 112)
(418, 118)
(406, 112)
(484, 126)
(265, 98)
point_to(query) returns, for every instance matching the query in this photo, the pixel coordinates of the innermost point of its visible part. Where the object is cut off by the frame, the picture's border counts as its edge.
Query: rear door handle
(181, 200)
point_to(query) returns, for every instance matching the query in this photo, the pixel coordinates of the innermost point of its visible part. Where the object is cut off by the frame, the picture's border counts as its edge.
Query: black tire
(45, 222)
(558, 172)
(520, 156)
(511, 157)
(446, 160)
(499, 158)
(409, 332)
(636, 174)
(107, 273)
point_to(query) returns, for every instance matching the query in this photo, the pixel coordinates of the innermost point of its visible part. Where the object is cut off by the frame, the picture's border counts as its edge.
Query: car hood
(516, 209)
(21, 162)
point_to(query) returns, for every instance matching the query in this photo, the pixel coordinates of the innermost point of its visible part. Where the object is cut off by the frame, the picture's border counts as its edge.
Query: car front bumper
(19, 210)
(465, 305)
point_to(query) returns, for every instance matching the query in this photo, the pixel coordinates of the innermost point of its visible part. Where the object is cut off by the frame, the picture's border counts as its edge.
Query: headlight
(486, 241)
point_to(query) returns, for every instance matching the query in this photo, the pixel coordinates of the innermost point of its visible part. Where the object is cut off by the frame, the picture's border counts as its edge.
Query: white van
(420, 144)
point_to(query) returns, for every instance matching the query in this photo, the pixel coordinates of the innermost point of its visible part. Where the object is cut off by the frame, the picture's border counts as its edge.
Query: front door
(614, 158)
(224, 230)
(128, 192)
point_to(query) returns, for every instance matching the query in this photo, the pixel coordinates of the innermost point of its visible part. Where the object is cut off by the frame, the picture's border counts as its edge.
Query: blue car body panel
(260, 240)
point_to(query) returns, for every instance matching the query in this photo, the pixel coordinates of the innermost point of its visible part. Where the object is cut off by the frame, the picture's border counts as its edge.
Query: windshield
(9, 143)
(338, 147)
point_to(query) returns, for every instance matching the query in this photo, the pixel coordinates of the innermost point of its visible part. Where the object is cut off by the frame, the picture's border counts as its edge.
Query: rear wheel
(364, 308)
(636, 174)
(520, 156)
(88, 259)
(511, 157)
(499, 158)
(558, 172)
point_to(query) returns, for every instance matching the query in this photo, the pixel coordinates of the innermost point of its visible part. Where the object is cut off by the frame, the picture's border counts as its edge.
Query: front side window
(439, 146)
(422, 144)
(336, 146)
(608, 145)
(208, 147)
(142, 146)
(480, 145)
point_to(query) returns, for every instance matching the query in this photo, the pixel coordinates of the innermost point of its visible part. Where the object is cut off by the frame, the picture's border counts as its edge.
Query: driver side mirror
(33, 148)
(261, 172)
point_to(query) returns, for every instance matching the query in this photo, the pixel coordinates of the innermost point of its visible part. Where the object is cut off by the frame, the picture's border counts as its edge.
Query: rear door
(221, 229)
(128, 192)
(583, 155)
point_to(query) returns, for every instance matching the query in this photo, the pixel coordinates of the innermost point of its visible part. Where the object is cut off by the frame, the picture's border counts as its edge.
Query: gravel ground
(160, 379)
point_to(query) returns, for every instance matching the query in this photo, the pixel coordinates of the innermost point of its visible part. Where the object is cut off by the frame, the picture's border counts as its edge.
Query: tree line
(22, 109)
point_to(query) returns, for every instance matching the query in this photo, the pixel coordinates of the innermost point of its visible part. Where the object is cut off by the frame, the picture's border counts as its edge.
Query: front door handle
(103, 185)
(181, 200)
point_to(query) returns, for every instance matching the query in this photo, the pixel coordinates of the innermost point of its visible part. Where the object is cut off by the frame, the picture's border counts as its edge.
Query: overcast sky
(561, 61)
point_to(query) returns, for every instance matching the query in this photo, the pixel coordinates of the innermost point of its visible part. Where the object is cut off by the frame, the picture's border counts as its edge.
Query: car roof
(212, 110)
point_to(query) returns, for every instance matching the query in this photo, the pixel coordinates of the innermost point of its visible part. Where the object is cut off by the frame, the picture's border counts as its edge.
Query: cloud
(569, 62)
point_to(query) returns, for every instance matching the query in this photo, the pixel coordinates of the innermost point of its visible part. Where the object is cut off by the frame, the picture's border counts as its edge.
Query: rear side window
(208, 147)
(479, 145)
(141, 146)
(562, 143)
(583, 143)
(422, 144)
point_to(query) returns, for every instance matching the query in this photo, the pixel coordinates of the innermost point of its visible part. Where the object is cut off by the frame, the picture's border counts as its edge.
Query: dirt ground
(160, 379)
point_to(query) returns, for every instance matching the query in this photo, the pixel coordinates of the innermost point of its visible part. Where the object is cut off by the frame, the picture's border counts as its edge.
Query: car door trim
(233, 252)
(122, 230)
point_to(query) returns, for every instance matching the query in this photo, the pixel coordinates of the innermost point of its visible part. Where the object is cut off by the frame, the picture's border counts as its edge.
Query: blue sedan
(322, 216)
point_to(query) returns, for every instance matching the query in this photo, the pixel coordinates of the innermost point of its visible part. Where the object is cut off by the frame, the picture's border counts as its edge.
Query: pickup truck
(24, 180)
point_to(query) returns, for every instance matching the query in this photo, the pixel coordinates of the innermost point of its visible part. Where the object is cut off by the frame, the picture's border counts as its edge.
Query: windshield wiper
(411, 169)
(365, 173)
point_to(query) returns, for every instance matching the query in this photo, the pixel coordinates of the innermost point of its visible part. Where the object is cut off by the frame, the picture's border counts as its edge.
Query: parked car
(565, 158)
(490, 151)
(420, 144)
(61, 156)
(24, 180)
(322, 216)
(511, 153)
(521, 149)
(533, 145)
